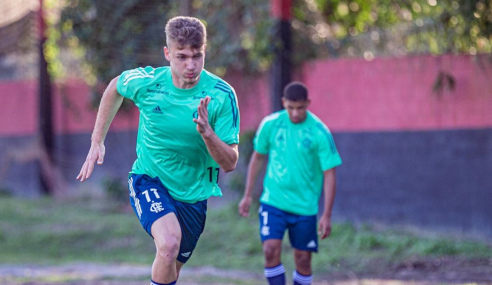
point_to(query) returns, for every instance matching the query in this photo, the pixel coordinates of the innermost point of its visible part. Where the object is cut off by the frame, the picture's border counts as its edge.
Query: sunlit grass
(45, 231)
(233, 242)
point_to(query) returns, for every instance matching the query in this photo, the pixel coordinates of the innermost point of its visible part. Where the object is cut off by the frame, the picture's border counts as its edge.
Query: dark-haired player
(302, 157)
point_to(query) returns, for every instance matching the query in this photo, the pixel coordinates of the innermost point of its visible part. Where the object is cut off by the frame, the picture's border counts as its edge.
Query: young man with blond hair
(188, 130)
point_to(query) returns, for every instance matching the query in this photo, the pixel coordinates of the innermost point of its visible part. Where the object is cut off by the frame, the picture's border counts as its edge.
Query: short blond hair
(186, 31)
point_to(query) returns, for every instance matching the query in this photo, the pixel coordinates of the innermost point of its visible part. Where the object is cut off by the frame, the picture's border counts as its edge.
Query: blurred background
(405, 87)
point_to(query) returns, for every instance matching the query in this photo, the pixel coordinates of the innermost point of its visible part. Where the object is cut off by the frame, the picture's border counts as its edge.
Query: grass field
(47, 231)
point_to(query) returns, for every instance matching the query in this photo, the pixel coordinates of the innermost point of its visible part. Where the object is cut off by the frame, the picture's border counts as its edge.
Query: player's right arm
(255, 164)
(261, 144)
(110, 103)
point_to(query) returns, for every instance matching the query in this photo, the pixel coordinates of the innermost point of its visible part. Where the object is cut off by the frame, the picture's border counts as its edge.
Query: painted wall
(437, 179)
(410, 156)
(395, 94)
(350, 95)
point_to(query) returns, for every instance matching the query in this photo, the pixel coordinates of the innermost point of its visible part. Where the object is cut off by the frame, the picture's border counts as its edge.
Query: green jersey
(297, 156)
(168, 143)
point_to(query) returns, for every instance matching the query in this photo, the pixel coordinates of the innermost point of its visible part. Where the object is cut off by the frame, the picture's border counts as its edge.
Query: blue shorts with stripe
(150, 200)
(302, 229)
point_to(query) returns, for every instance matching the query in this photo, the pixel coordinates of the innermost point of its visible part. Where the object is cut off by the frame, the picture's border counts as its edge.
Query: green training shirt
(297, 156)
(168, 143)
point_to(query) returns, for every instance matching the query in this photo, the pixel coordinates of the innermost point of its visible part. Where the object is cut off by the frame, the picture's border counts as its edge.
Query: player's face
(297, 110)
(186, 64)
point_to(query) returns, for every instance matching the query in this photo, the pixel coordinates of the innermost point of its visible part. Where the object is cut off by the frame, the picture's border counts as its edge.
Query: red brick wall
(348, 94)
(396, 93)
(18, 109)
(74, 113)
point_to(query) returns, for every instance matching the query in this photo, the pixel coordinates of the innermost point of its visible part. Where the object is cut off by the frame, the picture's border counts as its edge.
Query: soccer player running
(188, 129)
(301, 163)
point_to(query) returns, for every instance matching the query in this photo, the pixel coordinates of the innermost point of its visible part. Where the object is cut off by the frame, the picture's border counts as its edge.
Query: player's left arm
(329, 188)
(225, 155)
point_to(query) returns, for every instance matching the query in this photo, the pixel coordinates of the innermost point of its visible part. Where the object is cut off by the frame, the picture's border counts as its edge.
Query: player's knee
(168, 249)
(271, 252)
(303, 262)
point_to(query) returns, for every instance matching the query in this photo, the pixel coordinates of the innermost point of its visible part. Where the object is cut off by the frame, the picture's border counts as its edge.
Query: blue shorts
(302, 229)
(150, 200)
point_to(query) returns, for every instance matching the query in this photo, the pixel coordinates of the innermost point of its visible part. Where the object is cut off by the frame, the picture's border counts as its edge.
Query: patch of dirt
(412, 272)
(429, 271)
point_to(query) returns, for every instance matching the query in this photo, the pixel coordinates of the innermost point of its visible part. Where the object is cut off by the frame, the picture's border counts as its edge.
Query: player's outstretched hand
(96, 153)
(202, 124)
(324, 229)
(244, 206)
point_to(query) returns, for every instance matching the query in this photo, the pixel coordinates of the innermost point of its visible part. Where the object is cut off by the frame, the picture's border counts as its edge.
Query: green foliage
(51, 48)
(116, 190)
(131, 34)
(239, 34)
(246, 145)
(113, 37)
(237, 180)
(382, 27)
(116, 36)
(110, 38)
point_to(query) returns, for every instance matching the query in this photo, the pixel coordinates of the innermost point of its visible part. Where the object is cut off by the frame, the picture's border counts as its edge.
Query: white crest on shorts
(186, 254)
(265, 230)
(156, 207)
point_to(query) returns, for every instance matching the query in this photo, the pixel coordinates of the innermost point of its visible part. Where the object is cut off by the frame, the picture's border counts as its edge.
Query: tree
(396, 27)
(131, 34)
(114, 37)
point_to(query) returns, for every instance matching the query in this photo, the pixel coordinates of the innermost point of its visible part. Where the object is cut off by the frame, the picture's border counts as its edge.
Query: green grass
(233, 242)
(46, 231)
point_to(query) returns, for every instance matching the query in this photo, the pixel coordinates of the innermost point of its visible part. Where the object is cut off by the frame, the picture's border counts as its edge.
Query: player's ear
(283, 103)
(308, 102)
(166, 53)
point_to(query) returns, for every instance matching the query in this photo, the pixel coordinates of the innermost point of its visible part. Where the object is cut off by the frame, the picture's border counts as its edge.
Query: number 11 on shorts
(147, 196)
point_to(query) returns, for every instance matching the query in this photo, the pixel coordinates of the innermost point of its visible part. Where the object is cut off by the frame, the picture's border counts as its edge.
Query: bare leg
(272, 248)
(274, 270)
(167, 237)
(179, 265)
(302, 259)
